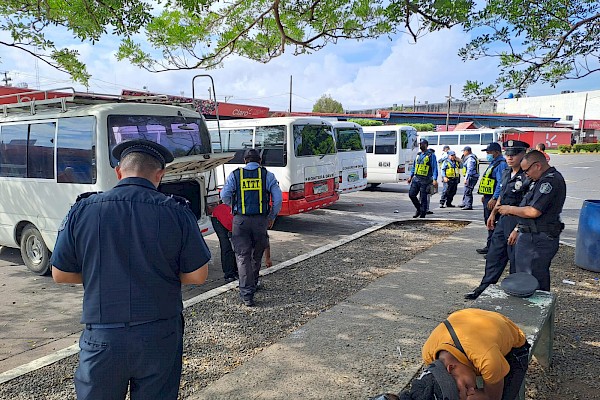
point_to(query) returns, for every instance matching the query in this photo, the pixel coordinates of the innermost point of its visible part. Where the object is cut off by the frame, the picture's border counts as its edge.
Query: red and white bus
(300, 151)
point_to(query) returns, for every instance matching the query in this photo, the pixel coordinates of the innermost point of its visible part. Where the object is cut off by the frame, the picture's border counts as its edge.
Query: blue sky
(367, 74)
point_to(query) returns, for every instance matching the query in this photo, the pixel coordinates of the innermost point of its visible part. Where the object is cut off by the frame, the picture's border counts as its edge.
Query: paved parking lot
(40, 317)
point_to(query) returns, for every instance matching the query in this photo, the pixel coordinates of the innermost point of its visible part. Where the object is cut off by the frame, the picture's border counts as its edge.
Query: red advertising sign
(590, 124)
(26, 95)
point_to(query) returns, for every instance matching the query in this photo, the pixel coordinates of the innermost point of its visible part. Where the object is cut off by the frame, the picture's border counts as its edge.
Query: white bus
(50, 155)
(391, 152)
(351, 156)
(477, 139)
(300, 151)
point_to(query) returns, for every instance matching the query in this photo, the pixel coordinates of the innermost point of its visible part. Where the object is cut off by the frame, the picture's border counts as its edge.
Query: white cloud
(366, 74)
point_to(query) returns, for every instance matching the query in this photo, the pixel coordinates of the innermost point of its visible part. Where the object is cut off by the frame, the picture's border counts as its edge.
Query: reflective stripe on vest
(422, 168)
(252, 196)
(487, 184)
(464, 168)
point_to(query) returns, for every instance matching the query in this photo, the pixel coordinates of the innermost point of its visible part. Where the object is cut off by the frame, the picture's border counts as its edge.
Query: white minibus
(477, 139)
(391, 152)
(351, 156)
(52, 150)
(299, 151)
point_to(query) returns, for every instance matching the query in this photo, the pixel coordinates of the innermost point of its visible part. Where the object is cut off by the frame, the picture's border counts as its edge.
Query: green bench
(534, 315)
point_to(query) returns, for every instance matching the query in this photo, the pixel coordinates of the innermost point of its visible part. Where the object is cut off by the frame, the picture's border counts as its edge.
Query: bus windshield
(183, 136)
(313, 140)
(348, 139)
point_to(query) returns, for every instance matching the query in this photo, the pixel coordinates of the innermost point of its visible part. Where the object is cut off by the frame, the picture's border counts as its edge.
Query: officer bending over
(132, 247)
(250, 191)
(513, 186)
(536, 237)
(423, 173)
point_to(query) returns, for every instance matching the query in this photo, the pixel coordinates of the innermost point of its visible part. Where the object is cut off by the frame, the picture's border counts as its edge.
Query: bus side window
(369, 137)
(40, 150)
(385, 142)
(13, 150)
(75, 150)
(270, 141)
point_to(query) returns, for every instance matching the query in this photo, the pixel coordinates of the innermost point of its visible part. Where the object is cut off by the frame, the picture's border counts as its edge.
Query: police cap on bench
(520, 284)
(158, 151)
(514, 147)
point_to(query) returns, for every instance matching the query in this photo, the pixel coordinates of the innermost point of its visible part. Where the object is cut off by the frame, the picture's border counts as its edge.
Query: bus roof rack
(41, 99)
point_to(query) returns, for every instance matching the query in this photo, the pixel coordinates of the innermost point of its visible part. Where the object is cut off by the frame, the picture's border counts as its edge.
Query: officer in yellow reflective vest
(450, 172)
(423, 173)
(250, 192)
(489, 186)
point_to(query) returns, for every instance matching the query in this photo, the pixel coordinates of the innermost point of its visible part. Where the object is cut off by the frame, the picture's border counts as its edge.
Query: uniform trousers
(467, 200)
(250, 239)
(145, 357)
(499, 252)
(450, 188)
(418, 193)
(534, 253)
(518, 360)
(486, 214)
(228, 263)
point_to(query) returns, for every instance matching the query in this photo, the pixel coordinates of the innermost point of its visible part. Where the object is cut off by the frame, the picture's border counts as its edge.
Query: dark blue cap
(451, 153)
(520, 284)
(493, 147)
(423, 141)
(513, 147)
(252, 155)
(158, 151)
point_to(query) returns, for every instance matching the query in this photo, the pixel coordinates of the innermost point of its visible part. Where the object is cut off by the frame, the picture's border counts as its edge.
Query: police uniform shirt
(230, 187)
(470, 166)
(547, 195)
(513, 187)
(130, 244)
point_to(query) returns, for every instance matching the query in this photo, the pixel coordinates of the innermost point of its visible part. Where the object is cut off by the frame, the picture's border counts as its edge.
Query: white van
(391, 152)
(52, 150)
(351, 156)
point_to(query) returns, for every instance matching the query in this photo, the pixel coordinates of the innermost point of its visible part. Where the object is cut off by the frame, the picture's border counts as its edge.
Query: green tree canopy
(546, 40)
(365, 122)
(326, 104)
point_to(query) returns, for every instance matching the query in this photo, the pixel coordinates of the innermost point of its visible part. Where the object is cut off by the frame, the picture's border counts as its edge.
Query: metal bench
(534, 315)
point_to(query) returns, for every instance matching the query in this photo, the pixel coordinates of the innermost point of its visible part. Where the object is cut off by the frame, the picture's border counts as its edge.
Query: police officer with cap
(536, 237)
(513, 186)
(470, 170)
(424, 172)
(489, 186)
(450, 171)
(250, 190)
(132, 247)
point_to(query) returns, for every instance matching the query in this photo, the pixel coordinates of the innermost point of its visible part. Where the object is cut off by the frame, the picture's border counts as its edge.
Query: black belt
(118, 324)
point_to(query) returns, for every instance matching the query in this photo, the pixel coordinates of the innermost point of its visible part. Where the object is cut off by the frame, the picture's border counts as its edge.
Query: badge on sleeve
(63, 222)
(545, 188)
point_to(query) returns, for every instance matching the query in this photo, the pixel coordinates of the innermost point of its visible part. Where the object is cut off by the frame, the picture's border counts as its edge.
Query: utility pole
(290, 94)
(448, 111)
(581, 133)
(6, 79)
(414, 103)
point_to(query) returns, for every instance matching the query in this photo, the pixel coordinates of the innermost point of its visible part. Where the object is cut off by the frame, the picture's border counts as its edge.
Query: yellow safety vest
(422, 168)
(487, 184)
(464, 168)
(452, 172)
(251, 189)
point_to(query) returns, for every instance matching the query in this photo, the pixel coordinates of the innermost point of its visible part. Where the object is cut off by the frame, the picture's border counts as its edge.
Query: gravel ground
(221, 333)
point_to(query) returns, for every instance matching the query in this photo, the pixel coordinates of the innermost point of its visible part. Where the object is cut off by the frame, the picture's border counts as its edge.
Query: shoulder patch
(181, 200)
(85, 195)
(545, 188)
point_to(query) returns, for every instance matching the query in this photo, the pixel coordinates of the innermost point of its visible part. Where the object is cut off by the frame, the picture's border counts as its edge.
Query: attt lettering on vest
(249, 184)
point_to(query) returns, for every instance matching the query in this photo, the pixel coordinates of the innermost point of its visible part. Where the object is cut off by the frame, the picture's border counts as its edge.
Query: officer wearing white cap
(536, 237)
(470, 170)
(132, 247)
(513, 186)
(489, 186)
(424, 173)
(250, 190)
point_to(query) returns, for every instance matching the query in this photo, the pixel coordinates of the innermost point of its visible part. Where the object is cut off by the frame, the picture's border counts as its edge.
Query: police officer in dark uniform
(424, 173)
(250, 191)
(132, 247)
(513, 186)
(539, 226)
(489, 186)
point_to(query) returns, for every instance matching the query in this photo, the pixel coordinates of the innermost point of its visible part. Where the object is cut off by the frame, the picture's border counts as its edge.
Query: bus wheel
(374, 185)
(34, 251)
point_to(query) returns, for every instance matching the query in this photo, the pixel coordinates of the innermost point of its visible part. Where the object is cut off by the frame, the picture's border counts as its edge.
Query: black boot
(476, 293)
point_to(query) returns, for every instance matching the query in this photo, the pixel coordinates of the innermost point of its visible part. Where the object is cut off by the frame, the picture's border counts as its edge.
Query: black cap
(252, 155)
(514, 147)
(467, 148)
(423, 141)
(520, 284)
(158, 151)
(493, 147)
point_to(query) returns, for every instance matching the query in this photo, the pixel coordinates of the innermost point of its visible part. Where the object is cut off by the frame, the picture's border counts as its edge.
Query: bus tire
(374, 185)
(34, 251)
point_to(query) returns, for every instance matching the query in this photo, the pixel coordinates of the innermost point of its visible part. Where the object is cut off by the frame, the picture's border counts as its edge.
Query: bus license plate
(353, 177)
(321, 188)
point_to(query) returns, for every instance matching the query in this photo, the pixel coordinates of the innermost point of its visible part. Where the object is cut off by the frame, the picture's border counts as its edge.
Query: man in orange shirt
(485, 344)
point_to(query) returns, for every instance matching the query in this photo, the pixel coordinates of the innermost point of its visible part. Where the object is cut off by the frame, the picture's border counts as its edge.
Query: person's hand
(491, 222)
(435, 184)
(271, 223)
(512, 238)
(504, 210)
(268, 262)
(491, 204)
(445, 179)
(409, 179)
(466, 180)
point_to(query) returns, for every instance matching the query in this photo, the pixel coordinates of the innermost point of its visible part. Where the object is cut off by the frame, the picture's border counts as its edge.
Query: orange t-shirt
(486, 336)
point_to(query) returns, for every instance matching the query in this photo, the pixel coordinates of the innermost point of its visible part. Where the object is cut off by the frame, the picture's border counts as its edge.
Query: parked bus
(300, 151)
(477, 139)
(56, 149)
(391, 152)
(351, 156)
